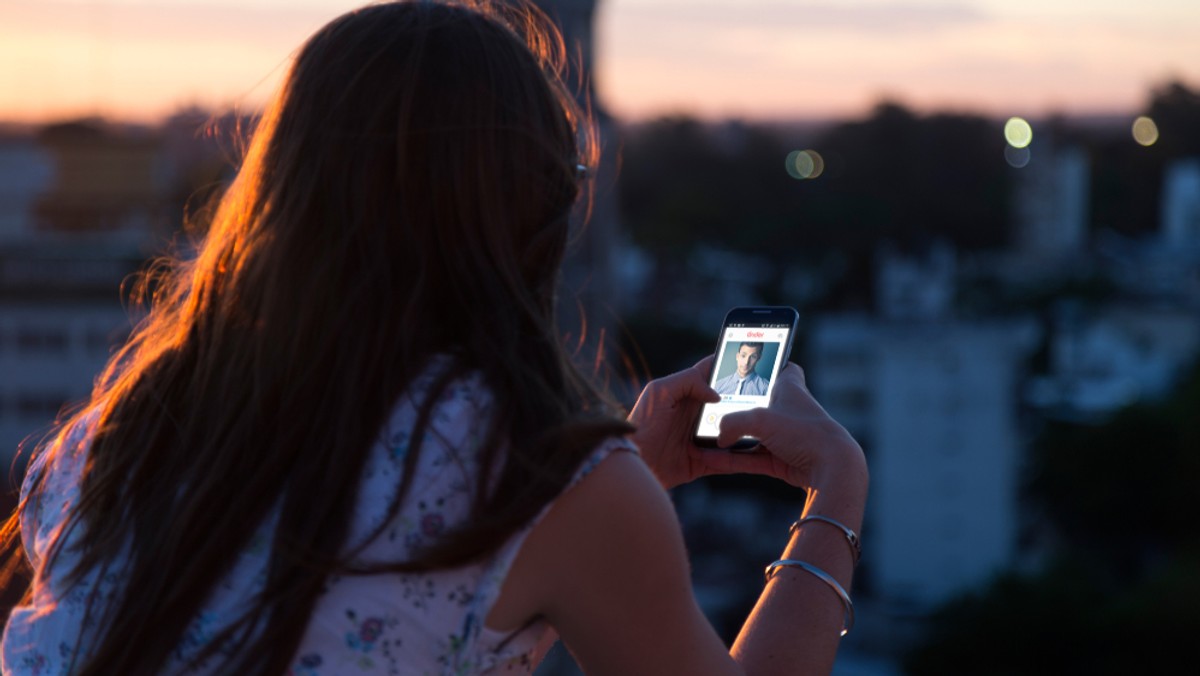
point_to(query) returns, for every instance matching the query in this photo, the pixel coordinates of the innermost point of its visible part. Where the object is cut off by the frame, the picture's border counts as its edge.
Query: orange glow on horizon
(138, 60)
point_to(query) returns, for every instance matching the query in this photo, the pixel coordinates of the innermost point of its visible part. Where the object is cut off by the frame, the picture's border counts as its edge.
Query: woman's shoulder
(607, 546)
(608, 569)
(615, 445)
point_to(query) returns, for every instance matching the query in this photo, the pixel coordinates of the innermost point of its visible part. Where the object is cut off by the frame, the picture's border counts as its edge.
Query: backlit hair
(405, 194)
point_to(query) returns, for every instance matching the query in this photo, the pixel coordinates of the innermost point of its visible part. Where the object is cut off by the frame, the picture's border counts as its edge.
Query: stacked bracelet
(848, 620)
(851, 536)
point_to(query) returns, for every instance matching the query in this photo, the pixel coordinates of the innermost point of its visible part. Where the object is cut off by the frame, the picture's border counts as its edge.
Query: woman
(347, 438)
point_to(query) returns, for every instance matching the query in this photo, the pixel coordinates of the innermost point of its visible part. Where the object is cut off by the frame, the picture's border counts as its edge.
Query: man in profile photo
(745, 380)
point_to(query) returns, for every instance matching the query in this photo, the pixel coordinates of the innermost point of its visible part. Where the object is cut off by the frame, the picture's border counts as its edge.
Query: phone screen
(750, 355)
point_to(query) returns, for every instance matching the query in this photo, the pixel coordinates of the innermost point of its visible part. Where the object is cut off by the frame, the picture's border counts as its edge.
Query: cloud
(889, 18)
(775, 34)
(819, 57)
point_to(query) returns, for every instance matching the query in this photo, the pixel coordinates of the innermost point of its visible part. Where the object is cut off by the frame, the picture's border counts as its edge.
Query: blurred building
(934, 401)
(934, 404)
(938, 400)
(1050, 204)
(1181, 204)
(1114, 356)
(908, 287)
(80, 206)
(26, 171)
(54, 340)
(103, 181)
(1161, 271)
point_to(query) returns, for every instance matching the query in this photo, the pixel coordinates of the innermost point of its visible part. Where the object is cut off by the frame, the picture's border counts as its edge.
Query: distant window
(844, 359)
(950, 361)
(950, 485)
(952, 527)
(955, 403)
(38, 406)
(56, 341)
(952, 439)
(28, 340)
(101, 340)
(40, 339)
(849, 400)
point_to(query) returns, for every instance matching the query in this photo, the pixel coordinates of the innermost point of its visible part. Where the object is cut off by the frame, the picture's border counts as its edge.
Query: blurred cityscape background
(1002, 305)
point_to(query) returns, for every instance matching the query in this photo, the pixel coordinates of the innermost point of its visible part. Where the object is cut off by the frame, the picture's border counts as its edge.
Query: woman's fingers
(688, 384)
(729, 462)
(692, 383)
(794, 372)
(734, 426)
(799, 442)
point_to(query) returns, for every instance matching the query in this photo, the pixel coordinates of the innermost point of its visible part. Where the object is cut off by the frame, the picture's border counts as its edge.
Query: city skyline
(757, 59)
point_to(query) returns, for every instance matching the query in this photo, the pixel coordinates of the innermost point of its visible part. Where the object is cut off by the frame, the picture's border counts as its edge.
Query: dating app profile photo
(746, 368)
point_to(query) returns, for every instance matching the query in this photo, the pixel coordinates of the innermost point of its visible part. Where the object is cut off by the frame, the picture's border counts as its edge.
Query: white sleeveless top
(421, 624)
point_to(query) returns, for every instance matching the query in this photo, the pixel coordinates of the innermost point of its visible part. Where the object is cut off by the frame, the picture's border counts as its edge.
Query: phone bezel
(767, 314)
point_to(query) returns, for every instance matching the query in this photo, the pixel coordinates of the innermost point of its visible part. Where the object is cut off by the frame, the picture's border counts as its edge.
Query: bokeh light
(1145, 131)
(1017, 132)
(1017, 158)
(804, 164)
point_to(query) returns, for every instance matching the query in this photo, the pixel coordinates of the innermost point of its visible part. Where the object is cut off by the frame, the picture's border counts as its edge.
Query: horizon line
(119, 119)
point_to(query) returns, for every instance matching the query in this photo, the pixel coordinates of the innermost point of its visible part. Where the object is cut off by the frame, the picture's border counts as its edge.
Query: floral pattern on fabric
(421, 624)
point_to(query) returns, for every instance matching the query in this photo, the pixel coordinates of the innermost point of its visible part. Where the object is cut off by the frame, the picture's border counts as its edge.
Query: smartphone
(753, 347)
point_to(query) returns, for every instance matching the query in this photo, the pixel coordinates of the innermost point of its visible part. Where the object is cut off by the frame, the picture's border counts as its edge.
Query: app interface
(748, 362)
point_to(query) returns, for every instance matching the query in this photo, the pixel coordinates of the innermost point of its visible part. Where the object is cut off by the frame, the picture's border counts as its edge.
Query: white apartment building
(1050, 208)
(934, 404)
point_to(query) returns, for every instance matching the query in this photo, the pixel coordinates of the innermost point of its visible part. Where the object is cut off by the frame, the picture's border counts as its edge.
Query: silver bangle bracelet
(851, 537)
(848, 620)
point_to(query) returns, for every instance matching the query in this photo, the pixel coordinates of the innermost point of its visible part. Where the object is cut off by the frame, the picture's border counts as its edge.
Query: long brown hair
(406, 194)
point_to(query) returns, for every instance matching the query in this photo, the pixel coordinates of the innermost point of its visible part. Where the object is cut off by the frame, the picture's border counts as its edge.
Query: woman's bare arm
(607, 566)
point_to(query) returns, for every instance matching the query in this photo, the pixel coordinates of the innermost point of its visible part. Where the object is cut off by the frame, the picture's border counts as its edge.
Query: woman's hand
(789, 629)
(665, 415)
(799, 442)
(811, 448)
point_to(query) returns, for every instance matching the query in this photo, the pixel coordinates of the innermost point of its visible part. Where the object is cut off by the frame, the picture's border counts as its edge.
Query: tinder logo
(755, 334)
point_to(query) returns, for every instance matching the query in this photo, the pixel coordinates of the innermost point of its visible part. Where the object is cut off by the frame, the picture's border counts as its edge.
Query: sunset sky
(141, 59)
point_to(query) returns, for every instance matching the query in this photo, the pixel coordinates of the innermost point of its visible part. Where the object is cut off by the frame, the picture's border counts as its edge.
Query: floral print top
(421, 624)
